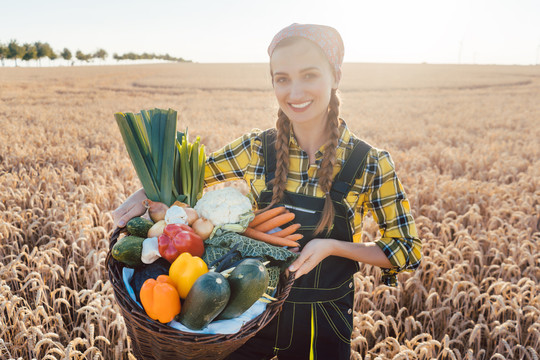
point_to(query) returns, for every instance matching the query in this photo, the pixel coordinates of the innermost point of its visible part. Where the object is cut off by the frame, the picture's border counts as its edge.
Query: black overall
(316, 320)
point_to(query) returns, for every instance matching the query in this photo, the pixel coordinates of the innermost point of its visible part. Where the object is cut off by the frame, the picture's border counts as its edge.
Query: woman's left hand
(312, 254)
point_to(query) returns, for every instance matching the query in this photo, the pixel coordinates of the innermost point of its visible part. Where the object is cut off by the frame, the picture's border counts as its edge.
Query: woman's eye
(281, 80)
(309, 76)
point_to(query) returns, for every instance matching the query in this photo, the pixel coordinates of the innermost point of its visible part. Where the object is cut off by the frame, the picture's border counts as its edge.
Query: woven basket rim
(136, 316)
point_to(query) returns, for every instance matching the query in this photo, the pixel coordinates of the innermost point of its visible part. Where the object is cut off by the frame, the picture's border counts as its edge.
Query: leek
(169, 166)
(192, 167)
(149, 138)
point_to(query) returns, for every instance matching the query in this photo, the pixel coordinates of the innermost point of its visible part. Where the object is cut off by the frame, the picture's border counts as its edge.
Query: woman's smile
(299, 107)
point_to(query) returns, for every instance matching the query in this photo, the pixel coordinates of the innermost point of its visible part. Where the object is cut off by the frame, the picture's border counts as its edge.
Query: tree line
(39, 50)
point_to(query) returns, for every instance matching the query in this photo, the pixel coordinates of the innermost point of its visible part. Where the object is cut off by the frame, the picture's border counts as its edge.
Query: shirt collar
(343, 142)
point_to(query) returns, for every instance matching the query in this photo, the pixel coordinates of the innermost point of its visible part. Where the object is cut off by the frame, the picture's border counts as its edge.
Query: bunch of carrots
(271, 219)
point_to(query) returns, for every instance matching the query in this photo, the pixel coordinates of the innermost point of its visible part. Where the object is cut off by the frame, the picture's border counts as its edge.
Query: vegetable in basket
(168, 166)
(150, 138)
(207, 298)
(150, 271)
(248, 282)
(227, 209)
(150, 250)
(128, 250)
(223, 206)
(185, 270)
(157, 229)
(279, 221)
(156, 209)
(203, 227)
(139, 226)
(176, 215)
(179, 238)
(160, 299)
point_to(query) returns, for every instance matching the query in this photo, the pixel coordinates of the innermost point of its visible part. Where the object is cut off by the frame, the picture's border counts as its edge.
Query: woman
(315, 166)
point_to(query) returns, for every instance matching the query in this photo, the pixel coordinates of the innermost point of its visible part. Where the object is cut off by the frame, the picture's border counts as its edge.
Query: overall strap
(269, 141)
(353, 167)
(344, 180)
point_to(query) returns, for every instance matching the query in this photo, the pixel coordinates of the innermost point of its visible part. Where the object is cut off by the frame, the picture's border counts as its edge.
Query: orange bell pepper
(160, 299)
(185, 270)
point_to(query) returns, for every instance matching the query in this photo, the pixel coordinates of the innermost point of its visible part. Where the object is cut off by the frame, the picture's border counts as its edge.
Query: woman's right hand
(131, 208)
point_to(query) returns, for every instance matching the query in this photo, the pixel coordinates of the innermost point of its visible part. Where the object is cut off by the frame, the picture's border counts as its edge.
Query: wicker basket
(153, 340)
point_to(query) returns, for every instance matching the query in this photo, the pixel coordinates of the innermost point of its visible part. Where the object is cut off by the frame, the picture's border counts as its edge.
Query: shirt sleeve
(232, 161)
(387, 202)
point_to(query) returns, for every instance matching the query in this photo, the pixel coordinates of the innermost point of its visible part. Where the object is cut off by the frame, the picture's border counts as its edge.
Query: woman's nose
(297, 91)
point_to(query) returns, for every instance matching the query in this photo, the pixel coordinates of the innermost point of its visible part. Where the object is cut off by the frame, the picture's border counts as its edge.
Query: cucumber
(139, 226)
(206, 299)
(128, 250)
(248, 281)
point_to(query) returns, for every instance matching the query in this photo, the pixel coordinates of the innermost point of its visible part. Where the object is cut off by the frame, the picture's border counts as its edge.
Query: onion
(181, 204)
(203, 227)
(192, 215)
(157, 229)
(156, 209)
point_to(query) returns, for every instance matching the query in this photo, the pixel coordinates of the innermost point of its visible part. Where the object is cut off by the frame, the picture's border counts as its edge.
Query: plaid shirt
(377, 190)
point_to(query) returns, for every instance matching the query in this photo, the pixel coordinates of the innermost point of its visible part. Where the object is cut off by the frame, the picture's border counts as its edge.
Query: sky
(502, 32)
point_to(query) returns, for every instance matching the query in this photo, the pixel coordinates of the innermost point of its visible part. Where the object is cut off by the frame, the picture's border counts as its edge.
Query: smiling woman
(303, 82)
(314, 166)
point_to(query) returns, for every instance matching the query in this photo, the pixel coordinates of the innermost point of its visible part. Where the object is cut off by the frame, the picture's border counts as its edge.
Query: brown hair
(326, 170)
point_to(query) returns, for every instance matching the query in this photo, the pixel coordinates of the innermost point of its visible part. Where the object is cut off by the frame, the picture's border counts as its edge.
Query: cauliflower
(223, 206)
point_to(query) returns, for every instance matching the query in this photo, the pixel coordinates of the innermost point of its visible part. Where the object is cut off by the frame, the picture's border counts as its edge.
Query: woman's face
(303, 81)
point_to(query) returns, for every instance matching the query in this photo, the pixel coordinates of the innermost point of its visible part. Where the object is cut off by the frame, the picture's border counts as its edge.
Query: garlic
(176, 215)
(150, 250)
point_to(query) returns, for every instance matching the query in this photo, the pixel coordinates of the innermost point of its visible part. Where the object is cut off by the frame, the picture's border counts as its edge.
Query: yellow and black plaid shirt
(377, 190)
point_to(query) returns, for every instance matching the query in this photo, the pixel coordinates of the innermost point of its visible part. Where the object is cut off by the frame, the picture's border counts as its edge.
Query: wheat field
(465, 140)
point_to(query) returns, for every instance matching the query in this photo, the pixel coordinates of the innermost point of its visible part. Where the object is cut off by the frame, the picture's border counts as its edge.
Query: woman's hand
(312, 254)
(131, 208)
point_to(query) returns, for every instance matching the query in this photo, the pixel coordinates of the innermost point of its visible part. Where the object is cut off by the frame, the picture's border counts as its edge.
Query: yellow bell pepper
(185, 270)
(160, 299)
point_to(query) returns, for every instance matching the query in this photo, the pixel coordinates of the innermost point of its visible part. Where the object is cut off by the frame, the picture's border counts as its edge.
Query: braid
(326, 170)
(279, 182)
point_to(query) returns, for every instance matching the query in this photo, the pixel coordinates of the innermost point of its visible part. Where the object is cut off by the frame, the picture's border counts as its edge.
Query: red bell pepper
(179, 238)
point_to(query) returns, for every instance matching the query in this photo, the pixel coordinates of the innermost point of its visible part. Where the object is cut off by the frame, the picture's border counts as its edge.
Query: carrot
(294, 237)
(268, 238)
(267, 215)
(287, 231)
(275, 222)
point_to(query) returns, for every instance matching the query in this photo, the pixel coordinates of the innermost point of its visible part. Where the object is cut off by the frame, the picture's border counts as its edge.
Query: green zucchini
(206, 299)
(128, 250)
(248, 282)
(139, 226)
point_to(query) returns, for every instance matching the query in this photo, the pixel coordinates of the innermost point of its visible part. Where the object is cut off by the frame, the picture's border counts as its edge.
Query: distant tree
(44, 50)
(40, 50)
(53, 55)
(101, 54)
(15, 51)
(30, 52)
(3, 53)
(130, 56)
(66, 54)
(82, 56)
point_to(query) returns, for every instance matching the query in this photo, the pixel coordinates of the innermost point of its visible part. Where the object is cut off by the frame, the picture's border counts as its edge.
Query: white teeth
(302, 105)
